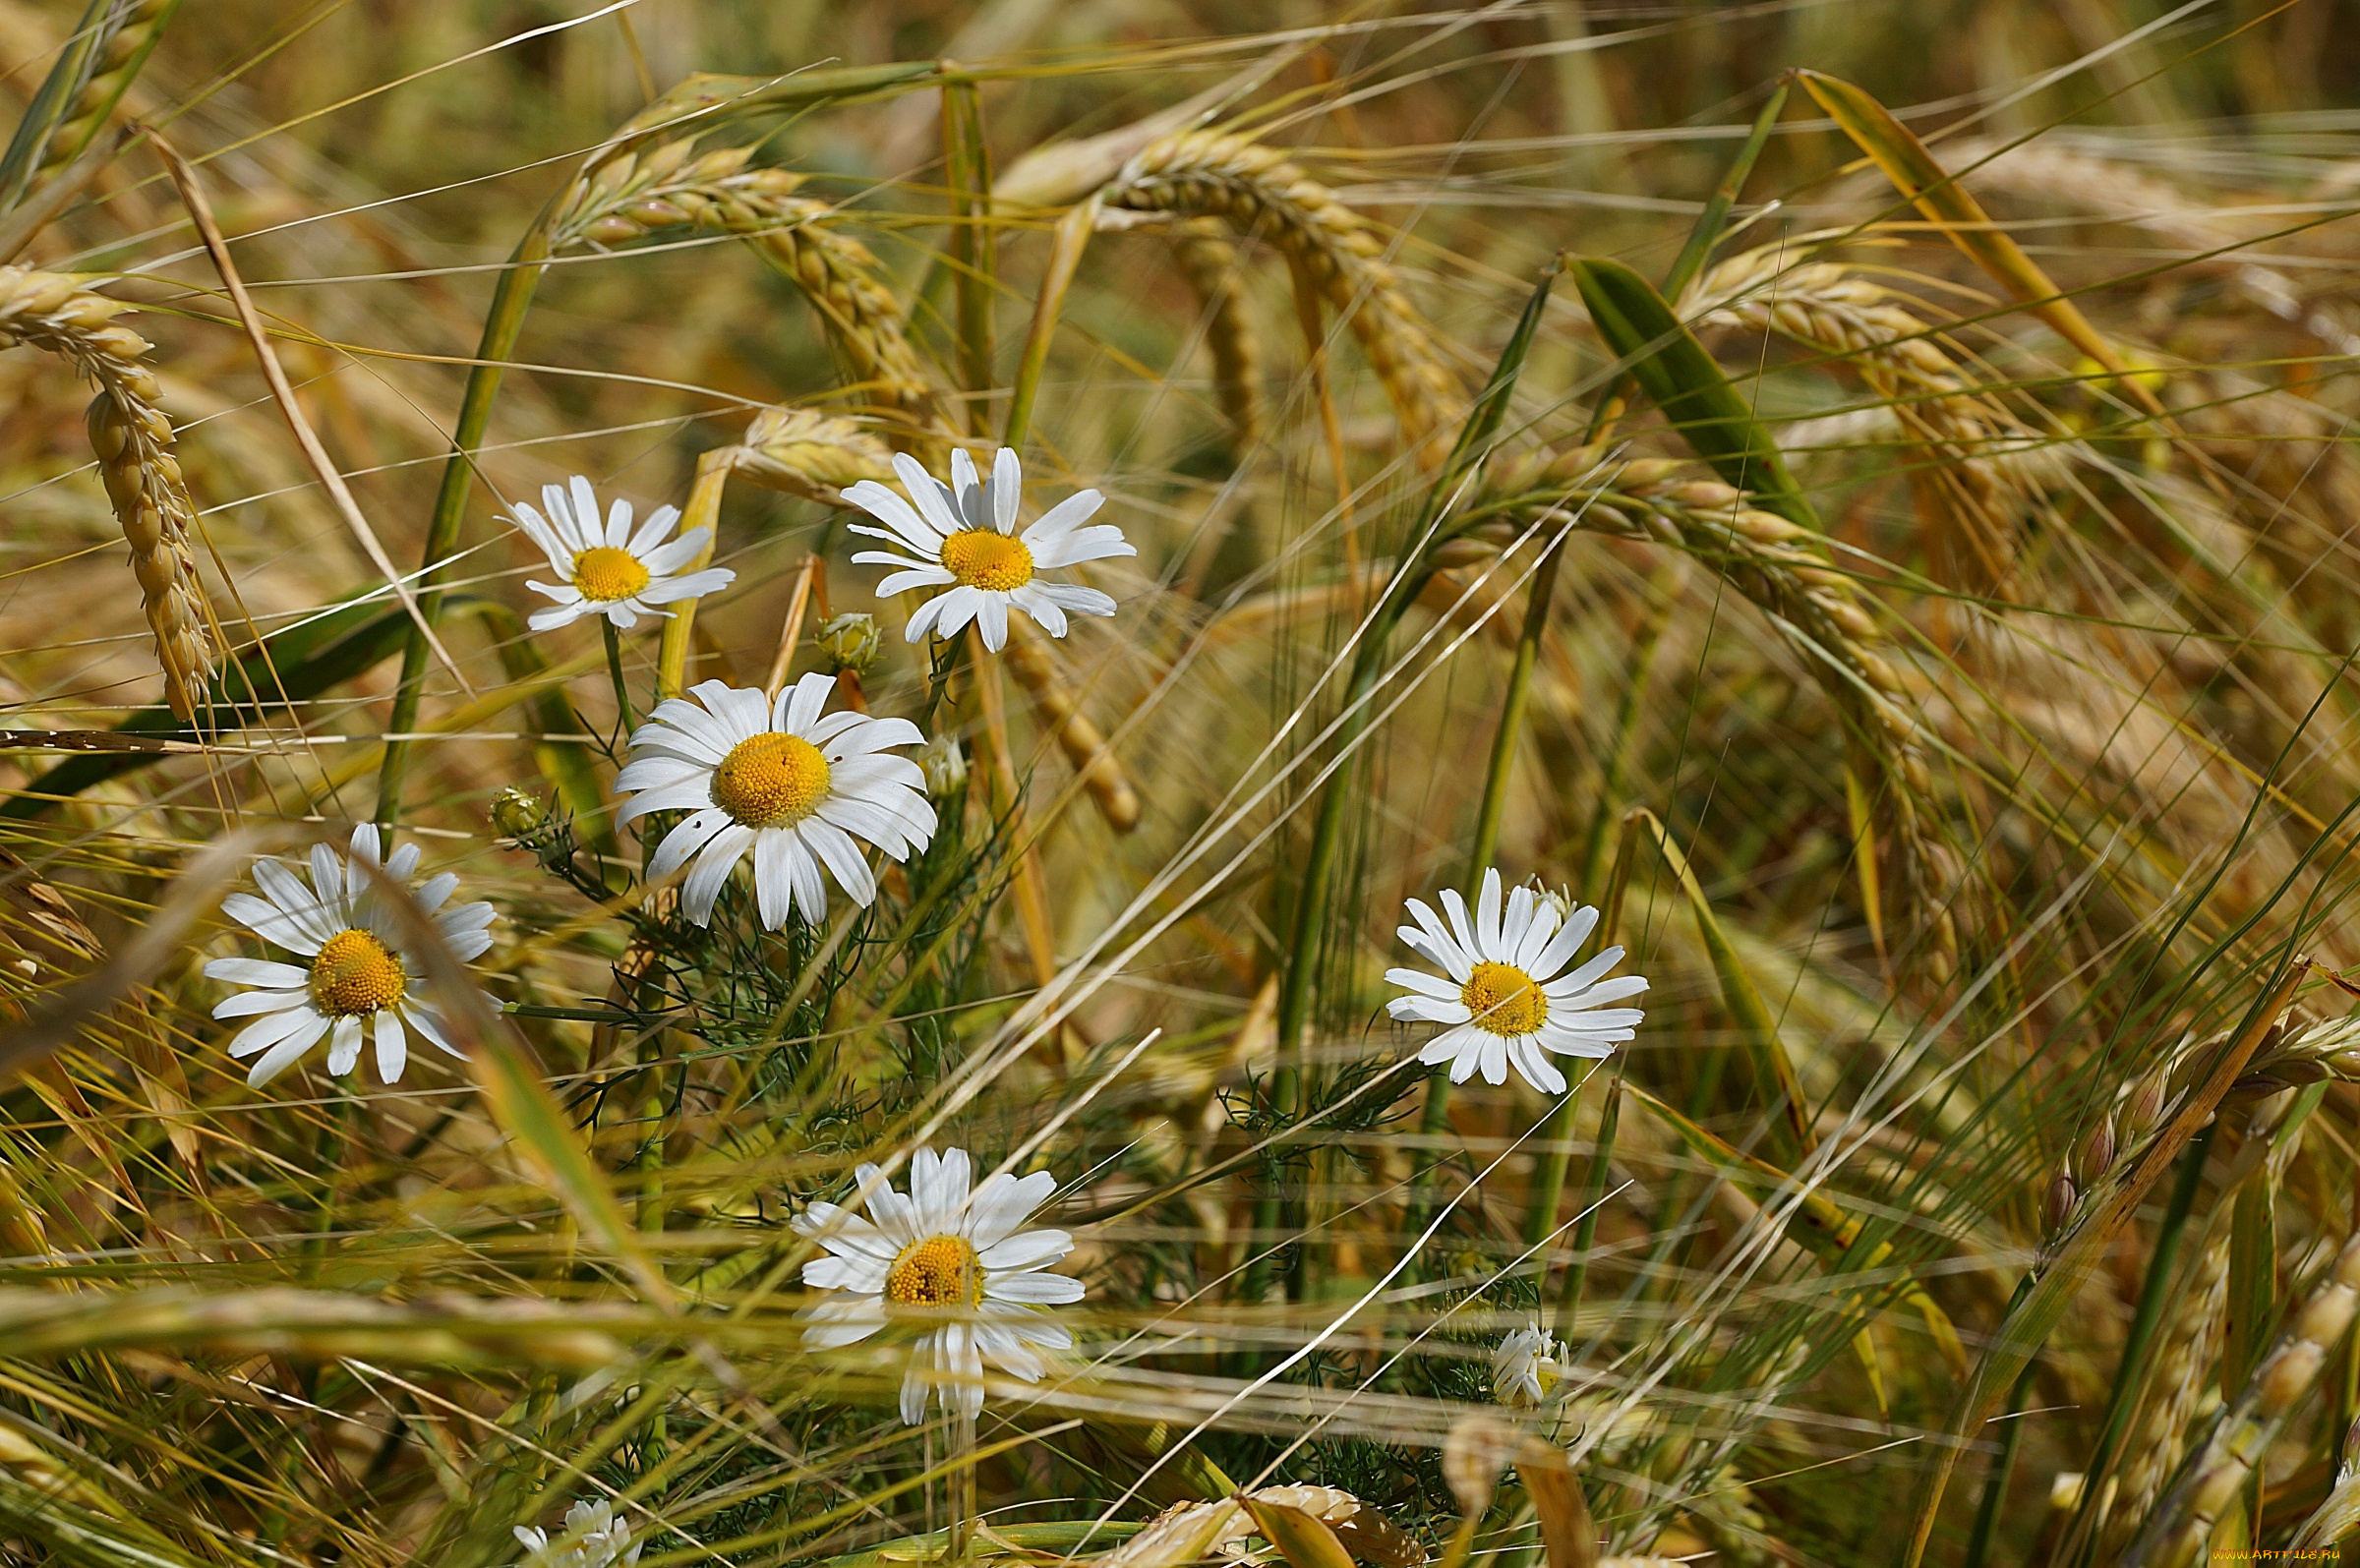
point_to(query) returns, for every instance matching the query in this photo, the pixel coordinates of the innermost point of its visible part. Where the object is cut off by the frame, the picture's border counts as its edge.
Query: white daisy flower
(798, 787)
(605, 1540)
(1504, 999)
(1525, 1366)
(358, 977)
(609, 569)
(966, 543)
(942, 1253)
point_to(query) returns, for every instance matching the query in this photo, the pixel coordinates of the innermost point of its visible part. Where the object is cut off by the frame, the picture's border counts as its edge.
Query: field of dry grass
(1845, 507)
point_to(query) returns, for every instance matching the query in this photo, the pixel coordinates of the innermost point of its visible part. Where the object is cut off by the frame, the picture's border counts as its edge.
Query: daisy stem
(511, 297)
(623, 690)
(1337, 794)
(961, 1488)
(1593, 1198)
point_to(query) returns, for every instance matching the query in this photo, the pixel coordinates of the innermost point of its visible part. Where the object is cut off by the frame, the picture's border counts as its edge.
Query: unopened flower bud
(944, 764)
(2098, 1149)
(2146, 1107)
(849, 642)
(2059, 1208)
(518, 814)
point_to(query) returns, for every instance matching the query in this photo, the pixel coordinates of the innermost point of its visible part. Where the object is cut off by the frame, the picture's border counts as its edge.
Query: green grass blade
(1687, 386)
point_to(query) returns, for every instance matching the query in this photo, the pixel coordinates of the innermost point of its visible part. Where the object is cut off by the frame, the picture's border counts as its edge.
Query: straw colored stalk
(670, 185)
(1209, 263)
(134, 442)
(1967, 454)
(2209, 1484)
(1778, 565)
(1208, 173)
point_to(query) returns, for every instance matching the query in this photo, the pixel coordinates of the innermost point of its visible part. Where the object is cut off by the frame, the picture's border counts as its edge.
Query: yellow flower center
(985, 557)
(605, 573)
(940, 1272)
(355, 974)
(1504, 1000)
(770, 781)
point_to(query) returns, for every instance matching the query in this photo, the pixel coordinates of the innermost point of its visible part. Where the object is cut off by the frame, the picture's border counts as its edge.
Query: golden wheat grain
(636, 194)
(132, 438)
(1210, 173)
(1209, 263)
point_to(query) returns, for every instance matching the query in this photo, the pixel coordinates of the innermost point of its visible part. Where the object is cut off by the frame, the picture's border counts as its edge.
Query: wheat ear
(97, 96)
(134, 442)
(1778, 565)
(1969, 452)
(809, 454)
(1082, 743)
(2183, 1370)
(1208, 173)
(1208, 262)
(2208, 1484)
(668, 186)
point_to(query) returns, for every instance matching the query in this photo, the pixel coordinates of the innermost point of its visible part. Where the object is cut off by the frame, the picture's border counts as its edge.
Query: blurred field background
(2009, 798)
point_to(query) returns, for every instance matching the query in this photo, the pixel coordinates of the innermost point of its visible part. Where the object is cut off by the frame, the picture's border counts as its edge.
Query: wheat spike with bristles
(633, 195)
(1208, 262)
(1082, 743)
(1970, 452)
(120, 55)
(1777, 564)
(134, 442)
(1259, 191)
(2209, 1484)
(2183, 1371)
(809, 454)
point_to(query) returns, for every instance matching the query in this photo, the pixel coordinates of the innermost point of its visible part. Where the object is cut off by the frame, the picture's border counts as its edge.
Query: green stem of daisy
(1337, 794)
(1593, 1198)
(512, 298)
(623, 690)
(961, 1487)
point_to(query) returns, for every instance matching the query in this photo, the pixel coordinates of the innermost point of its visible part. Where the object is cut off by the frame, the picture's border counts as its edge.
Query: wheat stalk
(1210, 173)
(132, 438)
(636, 194)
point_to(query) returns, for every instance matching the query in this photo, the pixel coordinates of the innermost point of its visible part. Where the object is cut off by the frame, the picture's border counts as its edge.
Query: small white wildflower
(609, 569)
(1500, 997)
(966, 544)
(953, 1262)
(605, 1542)
(1525, 1366)
(358, 977)
(780, 777)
